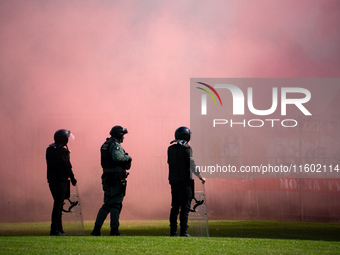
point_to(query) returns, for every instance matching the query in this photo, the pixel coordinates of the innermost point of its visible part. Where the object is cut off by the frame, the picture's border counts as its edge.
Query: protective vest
(59, 167)
(179, 163)
(106, 157)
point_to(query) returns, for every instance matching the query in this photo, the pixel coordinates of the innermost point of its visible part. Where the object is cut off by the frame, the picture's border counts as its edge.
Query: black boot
(173, 230)
(57, 233)
(96, 230)
(185, 234)
(184, 231)
(115, 232)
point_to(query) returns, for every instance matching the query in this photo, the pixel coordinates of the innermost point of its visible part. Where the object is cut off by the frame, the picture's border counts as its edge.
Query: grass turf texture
(226, 237)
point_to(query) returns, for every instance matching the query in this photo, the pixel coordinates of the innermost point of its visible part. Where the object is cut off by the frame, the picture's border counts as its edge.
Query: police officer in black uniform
(59, 170)
(181, 165)
(115, 161)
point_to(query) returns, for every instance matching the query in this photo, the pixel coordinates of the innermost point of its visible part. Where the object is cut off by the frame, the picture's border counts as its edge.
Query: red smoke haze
(89, 65)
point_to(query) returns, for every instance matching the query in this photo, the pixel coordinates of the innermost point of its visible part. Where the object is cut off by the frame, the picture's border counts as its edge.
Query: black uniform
(59, 170)
(179, 158)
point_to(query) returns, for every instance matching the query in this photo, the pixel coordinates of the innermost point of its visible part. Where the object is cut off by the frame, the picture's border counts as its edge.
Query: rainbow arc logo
(209, 93)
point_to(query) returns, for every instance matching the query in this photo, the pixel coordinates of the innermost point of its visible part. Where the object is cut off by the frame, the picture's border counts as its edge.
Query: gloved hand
(127, 164)
(202, 180)
(73, 181)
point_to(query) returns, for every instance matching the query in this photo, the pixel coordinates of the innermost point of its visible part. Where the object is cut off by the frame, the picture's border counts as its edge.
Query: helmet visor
(71, 137)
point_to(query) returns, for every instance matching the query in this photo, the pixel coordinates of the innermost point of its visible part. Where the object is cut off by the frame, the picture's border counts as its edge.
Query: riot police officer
(115, 161)
(59, 170)
(181, 165)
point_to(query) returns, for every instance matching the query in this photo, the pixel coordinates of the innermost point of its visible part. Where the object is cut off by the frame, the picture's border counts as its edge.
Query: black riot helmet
(61, 136)
(183, 133)
(118, 132)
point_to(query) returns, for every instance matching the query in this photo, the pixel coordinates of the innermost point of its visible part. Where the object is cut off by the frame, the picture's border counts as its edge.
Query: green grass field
(226, 237)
